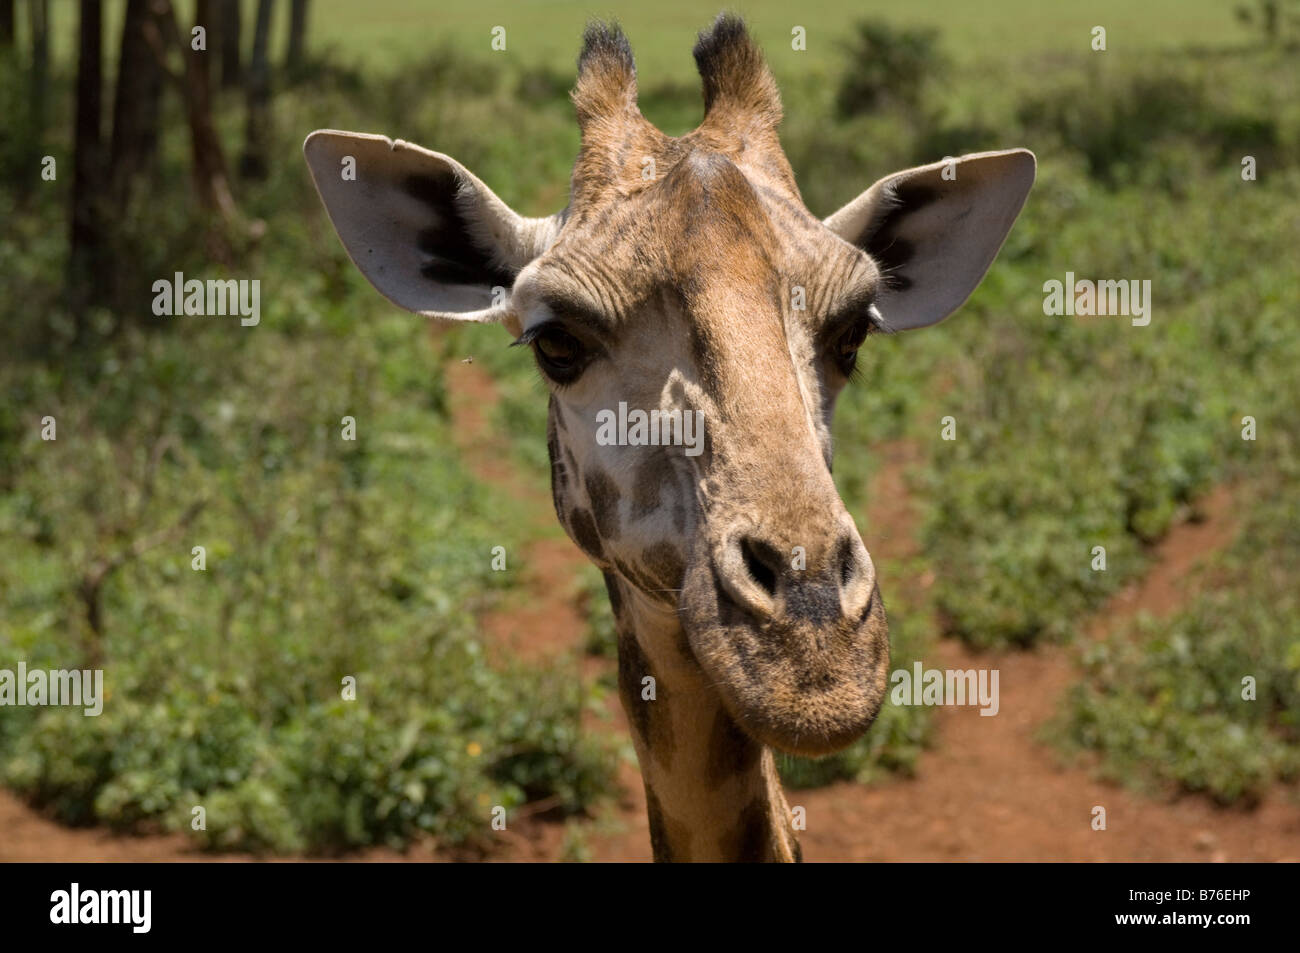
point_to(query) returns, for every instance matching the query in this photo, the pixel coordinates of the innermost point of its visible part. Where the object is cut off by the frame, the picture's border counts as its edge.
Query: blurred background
(128, 156)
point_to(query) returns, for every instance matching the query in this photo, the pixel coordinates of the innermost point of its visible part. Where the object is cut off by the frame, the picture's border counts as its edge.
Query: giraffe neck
(712, 793)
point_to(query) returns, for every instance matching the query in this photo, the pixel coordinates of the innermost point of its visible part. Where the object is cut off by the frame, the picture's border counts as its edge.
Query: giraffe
(687, 276)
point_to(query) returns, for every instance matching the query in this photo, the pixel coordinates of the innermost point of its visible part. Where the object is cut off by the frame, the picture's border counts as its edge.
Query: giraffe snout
(794, 639)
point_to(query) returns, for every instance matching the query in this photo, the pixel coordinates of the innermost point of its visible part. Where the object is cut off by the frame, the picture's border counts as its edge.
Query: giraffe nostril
(848, 561)
(762, 561)
(753, 573)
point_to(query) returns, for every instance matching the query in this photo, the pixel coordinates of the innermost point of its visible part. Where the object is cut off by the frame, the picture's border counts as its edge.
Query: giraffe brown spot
(655, 717)
(633, 666)
(731, 751)
(615, 596)
(603, 496)
(552, 449)
(664, 564)
(559, 480)
(665, 832)
(632, 575)
(658, 836)
(583, 528)
(645, 488)
(749, 842)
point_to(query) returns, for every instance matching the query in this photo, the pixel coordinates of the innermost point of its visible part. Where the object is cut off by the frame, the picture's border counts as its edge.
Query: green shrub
(325, 558)
(1166, 702)
(887, 65)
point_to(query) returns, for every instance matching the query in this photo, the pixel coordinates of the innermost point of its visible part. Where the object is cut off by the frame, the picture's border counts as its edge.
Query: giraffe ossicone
(740, 585)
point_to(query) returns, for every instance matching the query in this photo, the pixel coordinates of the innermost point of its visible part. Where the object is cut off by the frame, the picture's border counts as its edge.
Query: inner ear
(885, 242)
(421, 227)
(935, 230)
(455, 249)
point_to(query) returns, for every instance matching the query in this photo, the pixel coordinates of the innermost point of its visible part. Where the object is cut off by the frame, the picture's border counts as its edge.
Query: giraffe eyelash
(530, 335)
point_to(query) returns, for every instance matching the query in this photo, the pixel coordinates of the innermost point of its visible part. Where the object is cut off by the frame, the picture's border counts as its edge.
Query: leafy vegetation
(887, 66)
(324, 559)
(1209, 699)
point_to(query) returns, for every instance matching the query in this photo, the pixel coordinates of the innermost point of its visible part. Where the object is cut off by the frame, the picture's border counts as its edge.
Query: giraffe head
(694, 324)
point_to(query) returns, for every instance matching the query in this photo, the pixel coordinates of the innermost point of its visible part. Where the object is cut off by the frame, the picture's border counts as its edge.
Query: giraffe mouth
(799, 682)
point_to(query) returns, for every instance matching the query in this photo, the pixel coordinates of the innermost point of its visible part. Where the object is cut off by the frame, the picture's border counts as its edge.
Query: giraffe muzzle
(796, 644)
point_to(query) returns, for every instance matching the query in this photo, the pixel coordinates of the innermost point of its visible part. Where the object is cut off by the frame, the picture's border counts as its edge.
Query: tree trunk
(88, 272)
(39, 15)
(230, 36)
(135, 105)
(297, 35)
(28, 127)
(6, 24)
(253, 162)
(208, 164)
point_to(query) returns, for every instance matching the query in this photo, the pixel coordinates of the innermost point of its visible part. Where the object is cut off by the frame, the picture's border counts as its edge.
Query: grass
(387, 32)
(385, 36)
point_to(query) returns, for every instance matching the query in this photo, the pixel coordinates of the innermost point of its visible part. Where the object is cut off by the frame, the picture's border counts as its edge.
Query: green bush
(1166, 702)
(325, 558)
(887, 64)
(1105, 434)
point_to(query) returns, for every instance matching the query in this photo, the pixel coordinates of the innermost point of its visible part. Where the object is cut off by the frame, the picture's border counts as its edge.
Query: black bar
(331, 902)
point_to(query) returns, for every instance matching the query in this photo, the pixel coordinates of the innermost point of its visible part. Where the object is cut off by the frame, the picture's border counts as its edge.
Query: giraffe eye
(559, 354)
(848, 342)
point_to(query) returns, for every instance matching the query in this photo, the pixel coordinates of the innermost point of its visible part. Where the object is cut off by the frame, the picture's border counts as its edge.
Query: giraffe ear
(422, 228)
(935, 230)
